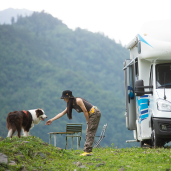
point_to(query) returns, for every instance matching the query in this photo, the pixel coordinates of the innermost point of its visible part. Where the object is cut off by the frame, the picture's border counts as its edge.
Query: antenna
(164, 86)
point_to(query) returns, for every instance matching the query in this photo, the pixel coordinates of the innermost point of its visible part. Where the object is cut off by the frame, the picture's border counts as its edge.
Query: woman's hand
(48, 122)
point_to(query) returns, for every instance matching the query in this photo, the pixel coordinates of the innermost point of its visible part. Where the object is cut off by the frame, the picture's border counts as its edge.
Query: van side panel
(143, 113)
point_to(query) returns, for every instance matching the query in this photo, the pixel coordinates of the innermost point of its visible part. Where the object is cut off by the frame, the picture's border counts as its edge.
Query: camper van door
(130, 98)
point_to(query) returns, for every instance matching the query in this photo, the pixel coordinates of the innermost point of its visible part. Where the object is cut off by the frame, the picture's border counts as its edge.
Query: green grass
(109, 158)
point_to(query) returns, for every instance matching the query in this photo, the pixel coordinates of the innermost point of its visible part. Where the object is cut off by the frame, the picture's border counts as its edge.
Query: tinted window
(163, 75)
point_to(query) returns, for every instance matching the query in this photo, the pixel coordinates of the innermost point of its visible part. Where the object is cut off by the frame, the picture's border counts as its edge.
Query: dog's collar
(25, 112)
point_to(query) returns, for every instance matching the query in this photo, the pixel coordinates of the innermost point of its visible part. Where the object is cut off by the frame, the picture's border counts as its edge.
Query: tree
(12, 20)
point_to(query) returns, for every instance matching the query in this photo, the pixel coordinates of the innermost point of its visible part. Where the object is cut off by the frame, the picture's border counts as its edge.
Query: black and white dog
(25, 120)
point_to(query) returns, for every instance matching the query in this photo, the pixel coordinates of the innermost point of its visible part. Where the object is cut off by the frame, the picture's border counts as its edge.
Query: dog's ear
(39, 112)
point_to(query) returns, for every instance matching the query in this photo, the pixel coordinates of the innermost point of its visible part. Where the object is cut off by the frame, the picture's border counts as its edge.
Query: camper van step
(129, 141)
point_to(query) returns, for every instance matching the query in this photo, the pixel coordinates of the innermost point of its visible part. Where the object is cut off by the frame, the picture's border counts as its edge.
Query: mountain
(6, 15)
(40, 57)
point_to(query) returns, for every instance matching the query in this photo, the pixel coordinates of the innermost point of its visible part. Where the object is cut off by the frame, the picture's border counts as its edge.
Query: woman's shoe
(86, 154)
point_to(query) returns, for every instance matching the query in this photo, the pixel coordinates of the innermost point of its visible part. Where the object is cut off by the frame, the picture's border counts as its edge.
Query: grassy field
(33, 154)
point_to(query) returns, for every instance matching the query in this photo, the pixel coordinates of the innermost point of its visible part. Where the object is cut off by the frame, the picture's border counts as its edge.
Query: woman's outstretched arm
(56, 117)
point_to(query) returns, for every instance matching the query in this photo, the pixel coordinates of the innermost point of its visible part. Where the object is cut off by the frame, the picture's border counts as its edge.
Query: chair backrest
(103, 131)
(77, 128)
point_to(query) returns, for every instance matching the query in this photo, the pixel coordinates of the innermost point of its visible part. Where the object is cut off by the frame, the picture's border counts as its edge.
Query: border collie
(25, 120)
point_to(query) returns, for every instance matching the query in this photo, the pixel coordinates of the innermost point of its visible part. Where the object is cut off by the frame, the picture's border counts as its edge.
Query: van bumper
(162, 127)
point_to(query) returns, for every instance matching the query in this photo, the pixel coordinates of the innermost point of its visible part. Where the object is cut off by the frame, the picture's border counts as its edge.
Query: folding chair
(102, 135)
(77, 129)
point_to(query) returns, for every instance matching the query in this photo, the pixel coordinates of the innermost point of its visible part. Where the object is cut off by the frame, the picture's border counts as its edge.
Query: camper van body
(148, 86)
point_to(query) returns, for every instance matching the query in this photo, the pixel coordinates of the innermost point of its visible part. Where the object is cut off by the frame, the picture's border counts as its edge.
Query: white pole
(55, 140)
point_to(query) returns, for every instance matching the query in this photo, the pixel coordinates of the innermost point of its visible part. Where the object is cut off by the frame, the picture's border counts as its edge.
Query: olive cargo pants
(92, 128)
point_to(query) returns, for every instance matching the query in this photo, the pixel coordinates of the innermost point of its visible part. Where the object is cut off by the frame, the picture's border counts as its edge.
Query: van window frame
(136, 67)
(151, 77)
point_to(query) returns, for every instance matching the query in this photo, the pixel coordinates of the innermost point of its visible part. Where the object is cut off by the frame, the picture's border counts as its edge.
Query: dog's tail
(11, 124)
(12, 121)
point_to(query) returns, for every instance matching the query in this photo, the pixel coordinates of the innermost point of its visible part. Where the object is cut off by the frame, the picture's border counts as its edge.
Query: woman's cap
(67, 94)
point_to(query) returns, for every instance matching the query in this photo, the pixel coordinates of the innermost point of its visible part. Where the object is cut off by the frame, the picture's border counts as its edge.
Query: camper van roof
(158, 30)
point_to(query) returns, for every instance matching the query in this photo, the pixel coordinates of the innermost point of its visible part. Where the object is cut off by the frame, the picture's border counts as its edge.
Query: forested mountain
(40, 57)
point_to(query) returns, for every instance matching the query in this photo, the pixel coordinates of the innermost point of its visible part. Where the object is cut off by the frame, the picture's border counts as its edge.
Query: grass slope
(32, 153)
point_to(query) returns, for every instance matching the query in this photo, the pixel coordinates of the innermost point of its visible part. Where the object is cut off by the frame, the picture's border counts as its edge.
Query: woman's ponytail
(69, 108)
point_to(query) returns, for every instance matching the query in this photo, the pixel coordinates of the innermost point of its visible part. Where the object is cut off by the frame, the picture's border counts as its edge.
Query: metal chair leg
(66, 144)
(77, 143)
(50, 139)
(55, 140)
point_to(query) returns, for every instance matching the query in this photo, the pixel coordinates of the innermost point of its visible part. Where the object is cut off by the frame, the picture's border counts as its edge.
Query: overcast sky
(120, 20)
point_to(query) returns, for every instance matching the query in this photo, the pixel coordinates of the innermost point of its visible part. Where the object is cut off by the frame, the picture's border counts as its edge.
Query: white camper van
(148, 85)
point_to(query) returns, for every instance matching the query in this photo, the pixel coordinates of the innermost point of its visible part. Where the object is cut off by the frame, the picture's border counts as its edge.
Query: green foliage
(34, 154)
(40, 57)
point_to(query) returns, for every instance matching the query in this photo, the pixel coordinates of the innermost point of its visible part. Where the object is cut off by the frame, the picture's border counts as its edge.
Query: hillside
(33, 154)
(40, 57)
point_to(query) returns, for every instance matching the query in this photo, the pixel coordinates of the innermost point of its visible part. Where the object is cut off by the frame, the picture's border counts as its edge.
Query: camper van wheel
(156, 141)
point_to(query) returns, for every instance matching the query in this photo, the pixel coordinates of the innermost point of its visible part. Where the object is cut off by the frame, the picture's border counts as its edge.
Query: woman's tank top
(88, 105)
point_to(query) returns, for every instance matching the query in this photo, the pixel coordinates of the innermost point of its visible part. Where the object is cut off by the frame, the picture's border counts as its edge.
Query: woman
(91, 113)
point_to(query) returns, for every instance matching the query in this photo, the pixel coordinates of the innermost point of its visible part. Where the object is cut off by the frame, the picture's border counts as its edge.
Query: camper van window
(136, 66)
(163, 75)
